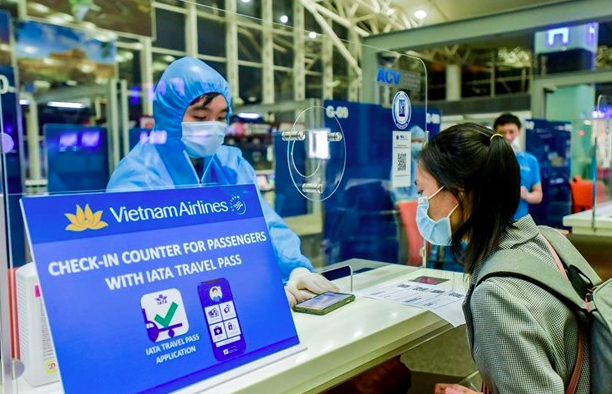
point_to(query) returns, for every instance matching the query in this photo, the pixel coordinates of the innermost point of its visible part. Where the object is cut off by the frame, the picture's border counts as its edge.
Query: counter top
(582, 222)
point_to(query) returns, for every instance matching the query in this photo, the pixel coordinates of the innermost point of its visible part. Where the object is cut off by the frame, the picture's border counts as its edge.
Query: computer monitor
(77, 158)
(138, 134)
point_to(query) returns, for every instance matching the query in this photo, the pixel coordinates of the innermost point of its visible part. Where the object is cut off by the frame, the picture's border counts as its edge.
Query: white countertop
(339, 345)
(582, 222)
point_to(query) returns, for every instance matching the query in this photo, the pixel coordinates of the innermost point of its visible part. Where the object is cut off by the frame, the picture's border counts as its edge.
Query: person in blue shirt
(191, 108)
(509, 126)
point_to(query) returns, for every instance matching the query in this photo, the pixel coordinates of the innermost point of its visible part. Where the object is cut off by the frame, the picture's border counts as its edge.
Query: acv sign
(388, 76)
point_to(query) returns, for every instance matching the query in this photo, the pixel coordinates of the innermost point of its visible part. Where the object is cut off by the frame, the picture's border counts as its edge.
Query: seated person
(191, 107)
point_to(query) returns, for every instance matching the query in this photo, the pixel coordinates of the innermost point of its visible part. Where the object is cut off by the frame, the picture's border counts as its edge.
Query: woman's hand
(446, 388)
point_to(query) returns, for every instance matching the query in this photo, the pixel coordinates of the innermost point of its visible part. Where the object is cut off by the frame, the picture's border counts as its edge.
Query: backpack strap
(519, 264)
(580, 272)
(579, 361)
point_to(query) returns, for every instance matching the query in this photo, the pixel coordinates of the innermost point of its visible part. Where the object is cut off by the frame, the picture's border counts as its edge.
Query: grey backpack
(588, 296)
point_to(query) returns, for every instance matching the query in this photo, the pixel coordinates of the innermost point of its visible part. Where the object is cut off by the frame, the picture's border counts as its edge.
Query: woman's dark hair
(483, 175)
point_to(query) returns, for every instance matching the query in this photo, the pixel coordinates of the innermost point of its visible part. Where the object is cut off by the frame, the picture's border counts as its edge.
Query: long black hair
(482, 173)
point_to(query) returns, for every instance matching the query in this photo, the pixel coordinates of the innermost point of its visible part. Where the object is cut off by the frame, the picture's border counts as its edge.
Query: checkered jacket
(523, 339)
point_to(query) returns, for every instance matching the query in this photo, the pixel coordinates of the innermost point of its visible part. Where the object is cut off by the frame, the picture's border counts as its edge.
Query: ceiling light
(63, 104)
(420, 14)
(249, 115)
(246, 1)
(312, 35)
(284, 19)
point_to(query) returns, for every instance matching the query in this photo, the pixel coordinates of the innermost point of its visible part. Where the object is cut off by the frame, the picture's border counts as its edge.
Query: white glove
(302, 279)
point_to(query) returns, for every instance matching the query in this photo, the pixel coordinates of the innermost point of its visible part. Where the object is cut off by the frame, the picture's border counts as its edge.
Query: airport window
(211, 37)
(170, 32)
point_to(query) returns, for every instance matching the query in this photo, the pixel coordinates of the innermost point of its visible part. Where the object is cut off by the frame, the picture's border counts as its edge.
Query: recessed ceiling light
(420, 14)
(312, 35)
(246, 1)
(284, 19)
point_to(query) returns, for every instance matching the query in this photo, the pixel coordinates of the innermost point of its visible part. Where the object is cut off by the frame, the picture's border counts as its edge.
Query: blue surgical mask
(435, 232)
(202, 139)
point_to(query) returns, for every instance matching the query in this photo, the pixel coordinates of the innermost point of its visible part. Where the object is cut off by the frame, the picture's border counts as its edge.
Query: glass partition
(331, 171)
(602, 158)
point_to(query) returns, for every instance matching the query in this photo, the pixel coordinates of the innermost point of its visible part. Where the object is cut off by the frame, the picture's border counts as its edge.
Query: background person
(509, 126)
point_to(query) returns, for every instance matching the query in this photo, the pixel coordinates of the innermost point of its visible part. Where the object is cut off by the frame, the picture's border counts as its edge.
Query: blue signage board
(156, 290)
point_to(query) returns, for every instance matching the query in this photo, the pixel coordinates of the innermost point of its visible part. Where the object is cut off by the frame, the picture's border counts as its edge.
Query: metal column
(32, 135)
(453, 82)
(354, 81)
(267, 54)
(299, 70)
(231, 45)
(146, 72)
(327, 58)
(191, 29)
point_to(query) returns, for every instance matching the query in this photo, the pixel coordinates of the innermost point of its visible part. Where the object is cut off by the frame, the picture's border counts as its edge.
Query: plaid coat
(523, 339)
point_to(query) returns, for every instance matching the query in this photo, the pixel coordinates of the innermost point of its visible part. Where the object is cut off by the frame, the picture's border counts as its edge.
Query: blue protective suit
(165, 165)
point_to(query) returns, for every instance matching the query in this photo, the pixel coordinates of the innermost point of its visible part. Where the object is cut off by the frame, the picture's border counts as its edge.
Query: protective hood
(183, 81)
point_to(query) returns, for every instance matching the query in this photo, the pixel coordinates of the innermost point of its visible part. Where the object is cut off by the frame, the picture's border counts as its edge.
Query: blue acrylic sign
(153, 291)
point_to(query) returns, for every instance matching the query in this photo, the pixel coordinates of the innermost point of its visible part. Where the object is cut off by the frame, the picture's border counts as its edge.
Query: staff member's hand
(445, 388)
(301, 279)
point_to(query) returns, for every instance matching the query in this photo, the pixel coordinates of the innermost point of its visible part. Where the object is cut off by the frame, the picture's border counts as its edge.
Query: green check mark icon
(165, 321)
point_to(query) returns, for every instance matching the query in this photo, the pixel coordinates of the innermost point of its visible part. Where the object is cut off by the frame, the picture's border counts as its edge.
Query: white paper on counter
(444, 302)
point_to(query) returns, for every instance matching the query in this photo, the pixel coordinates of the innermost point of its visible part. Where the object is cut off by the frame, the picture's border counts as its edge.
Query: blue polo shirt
(530, 176)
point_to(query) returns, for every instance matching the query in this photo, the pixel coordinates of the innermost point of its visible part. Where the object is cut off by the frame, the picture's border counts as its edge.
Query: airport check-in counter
(339, 345)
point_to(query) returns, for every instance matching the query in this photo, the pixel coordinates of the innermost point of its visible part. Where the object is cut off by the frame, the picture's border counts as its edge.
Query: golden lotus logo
(85, 220)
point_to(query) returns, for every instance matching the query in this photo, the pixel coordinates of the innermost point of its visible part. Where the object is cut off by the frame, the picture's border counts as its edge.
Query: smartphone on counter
(324, 303)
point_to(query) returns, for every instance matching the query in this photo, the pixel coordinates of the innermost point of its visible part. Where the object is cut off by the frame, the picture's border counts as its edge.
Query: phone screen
(324, 300)
(222, 319)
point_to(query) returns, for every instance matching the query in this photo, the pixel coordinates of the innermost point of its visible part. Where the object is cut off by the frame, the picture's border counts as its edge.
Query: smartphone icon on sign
(222, 322)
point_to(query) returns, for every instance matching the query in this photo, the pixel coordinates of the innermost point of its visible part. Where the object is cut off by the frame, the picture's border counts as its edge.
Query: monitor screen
(90, 139)
(68, 140)
(77, 158)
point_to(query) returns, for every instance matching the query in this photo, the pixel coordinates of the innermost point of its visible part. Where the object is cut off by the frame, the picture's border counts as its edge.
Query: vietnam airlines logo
(238, 205)
(85, 220)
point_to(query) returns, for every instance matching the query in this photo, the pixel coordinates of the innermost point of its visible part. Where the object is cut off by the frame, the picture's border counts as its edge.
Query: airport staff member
(192, 107)
(509, 126)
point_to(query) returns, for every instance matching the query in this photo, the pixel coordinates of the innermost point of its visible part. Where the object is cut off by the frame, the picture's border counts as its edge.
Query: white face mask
(202, 139)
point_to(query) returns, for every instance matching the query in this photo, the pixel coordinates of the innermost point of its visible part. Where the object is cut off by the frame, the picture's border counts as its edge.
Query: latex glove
(302, 279)
(445, 388)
